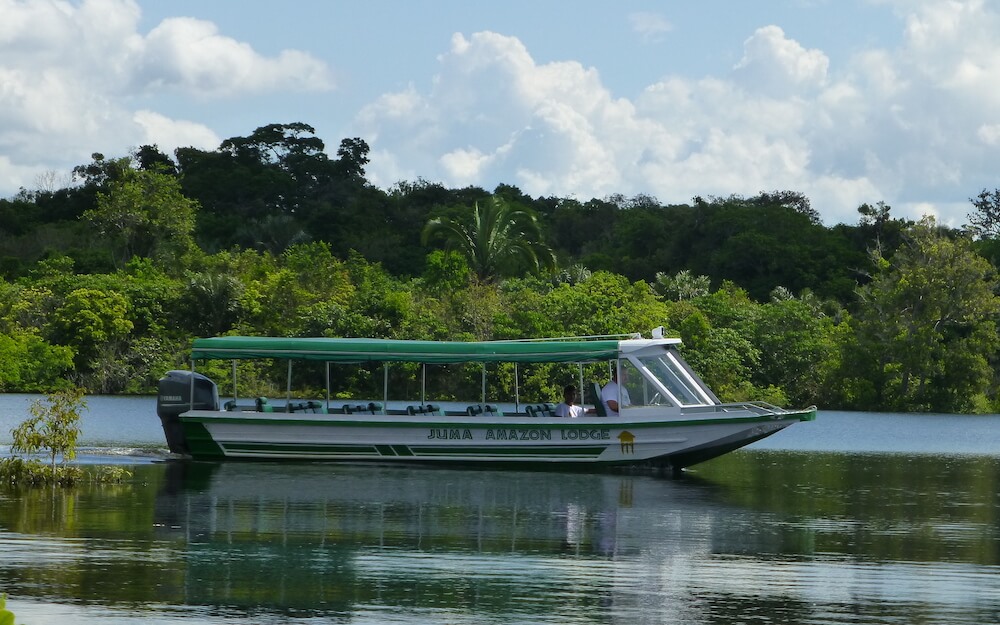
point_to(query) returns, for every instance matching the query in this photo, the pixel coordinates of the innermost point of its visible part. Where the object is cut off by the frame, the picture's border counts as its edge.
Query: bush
(52, 428)
(6, 616)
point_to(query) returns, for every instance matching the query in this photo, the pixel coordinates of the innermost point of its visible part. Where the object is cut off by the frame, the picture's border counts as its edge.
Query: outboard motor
(174, 397)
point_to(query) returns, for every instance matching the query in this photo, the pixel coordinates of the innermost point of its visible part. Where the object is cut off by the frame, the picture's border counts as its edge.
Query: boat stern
(178, 392)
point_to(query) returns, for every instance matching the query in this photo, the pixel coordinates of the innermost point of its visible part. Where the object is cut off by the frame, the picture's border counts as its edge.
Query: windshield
(684, 391)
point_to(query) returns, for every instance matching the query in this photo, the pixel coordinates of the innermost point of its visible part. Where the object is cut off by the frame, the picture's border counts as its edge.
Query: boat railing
(756, 407)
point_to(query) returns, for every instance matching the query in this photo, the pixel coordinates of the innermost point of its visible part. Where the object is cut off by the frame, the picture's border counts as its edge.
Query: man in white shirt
(569, 407)
(610, 394)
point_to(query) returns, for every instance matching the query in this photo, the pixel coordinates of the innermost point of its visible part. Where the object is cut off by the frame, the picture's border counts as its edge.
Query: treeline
(105, 281)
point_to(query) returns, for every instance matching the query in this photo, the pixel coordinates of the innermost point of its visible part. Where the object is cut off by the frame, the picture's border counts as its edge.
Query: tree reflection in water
(764, 536)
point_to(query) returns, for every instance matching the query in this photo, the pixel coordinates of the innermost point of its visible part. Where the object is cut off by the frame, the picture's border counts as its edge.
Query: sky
(845, 101)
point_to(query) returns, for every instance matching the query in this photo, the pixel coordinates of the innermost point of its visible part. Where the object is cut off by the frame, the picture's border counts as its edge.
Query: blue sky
(846, 101)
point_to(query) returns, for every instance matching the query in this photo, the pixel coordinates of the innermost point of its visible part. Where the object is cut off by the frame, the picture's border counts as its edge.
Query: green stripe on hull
(524, 451)
(313, 450)
(304, 448)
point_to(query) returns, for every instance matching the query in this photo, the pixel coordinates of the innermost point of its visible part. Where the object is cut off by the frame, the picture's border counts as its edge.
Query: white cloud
(494, 115)
(649, 26)
(989, 134)
(914, 126)
(68, 74)
(464, 165)
(778, 66)
(191, 55)
(548, 127)
(169, 134)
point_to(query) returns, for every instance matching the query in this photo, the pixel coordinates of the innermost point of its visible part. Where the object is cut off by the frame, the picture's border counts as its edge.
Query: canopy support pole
(288, 388)
(618, 378)
(517, 391)
(328, 386)
(385, 385)
(191, 396)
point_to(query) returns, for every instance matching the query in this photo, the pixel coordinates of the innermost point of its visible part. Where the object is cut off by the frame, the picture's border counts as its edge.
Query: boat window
(675, 379)
(641, 390)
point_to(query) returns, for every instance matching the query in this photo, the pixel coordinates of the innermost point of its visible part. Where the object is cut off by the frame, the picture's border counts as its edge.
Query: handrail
(757, 407)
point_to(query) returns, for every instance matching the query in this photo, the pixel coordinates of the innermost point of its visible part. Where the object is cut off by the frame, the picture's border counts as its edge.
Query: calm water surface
(853, 518)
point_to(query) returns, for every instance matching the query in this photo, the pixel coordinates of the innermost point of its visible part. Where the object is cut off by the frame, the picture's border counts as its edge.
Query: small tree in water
(52, 428)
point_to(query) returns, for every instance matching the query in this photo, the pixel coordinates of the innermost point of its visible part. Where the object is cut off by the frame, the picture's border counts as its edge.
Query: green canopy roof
(388, 350)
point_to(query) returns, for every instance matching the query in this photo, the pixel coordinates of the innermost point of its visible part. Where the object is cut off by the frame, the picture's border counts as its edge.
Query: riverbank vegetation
(51, 433)
(105, 280)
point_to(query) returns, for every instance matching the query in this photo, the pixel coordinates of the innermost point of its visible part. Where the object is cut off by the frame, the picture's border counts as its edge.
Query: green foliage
(800, 347)
(768, 301)
(445, 272)
(497, 239)
(926, 328)
(112, 474)
(6, 616)
(984, 220)
(144, 213)
(30, 364)
(52, 428)
(90, 320)
(210, 302)
(681, 286)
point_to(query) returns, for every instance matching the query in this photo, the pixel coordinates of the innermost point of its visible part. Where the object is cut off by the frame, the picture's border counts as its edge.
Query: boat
(668, 419)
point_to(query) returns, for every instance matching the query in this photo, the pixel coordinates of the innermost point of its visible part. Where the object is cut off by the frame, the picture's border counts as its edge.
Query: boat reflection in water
(315, 538)
(763, 537)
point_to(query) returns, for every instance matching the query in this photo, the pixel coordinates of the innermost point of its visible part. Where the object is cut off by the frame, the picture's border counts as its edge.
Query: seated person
(609, 394)
(569, 407)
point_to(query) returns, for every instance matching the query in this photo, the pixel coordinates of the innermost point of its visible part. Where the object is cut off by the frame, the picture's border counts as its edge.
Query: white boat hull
(676, 442)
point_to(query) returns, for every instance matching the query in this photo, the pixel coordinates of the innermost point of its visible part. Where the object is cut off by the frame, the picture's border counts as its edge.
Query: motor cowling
(180, 391)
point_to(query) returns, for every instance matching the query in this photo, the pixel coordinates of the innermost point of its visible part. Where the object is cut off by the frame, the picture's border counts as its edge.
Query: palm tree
(500, 240)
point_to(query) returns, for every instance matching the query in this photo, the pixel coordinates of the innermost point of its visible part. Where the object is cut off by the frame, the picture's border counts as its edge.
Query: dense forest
(103, 283)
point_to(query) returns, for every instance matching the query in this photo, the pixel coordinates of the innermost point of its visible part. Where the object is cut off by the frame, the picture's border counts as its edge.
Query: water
(853, 518)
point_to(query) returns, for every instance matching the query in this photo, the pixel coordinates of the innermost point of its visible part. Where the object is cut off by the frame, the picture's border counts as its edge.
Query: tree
(794, 200)
(53, 427)
(984, 222)
(984, 225)
(151, 158)
(498, 240)
(29, 363)
(101, 171)
(925, 327)
(144, 213)
(874, 216)
(209, 304)
(352, 156)
(681, 286)
(799, 345)
(90, 320)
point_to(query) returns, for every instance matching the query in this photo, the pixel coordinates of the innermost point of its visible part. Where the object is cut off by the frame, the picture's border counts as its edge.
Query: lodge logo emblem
(627, 440)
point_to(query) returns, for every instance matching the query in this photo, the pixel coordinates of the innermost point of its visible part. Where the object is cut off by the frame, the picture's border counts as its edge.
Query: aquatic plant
(6, 616)
(52, 429)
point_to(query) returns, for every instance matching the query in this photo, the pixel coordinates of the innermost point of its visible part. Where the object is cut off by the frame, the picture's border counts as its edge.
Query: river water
(853, 518)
